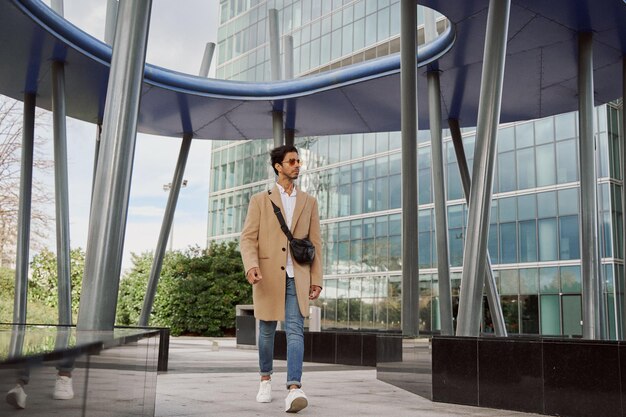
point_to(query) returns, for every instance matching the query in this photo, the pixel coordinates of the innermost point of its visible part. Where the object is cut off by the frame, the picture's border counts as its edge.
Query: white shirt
(289, 205)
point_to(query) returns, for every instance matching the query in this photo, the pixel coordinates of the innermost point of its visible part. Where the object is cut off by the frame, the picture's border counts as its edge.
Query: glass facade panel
(529, 305)
(525, 168)
(529, 281)
(545, 165)
(549, 280)
(570, 279)
(506, 171)
(525, 135)
(508, 243)
(569, 244)
(528, 241)
(565, 154)
(550, 315)
(547, 240)
(565, 126)
(572, 315)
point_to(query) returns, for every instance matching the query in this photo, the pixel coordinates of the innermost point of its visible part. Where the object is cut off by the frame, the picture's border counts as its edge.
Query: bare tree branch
(11, 120)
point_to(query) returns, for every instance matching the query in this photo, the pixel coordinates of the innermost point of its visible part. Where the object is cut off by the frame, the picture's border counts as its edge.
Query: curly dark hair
(278, 154)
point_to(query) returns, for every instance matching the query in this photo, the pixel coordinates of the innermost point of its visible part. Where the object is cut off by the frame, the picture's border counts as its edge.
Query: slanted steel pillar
(493, 298)
(277, 126)
(590, 259)
(107, 223)
(408, 85)
(24, 210)
(61, 198)
(439, 193)
(111, 18)
(109, 36)
(621, 291)
(168, 218)
(209, 49)
(96, 153)
(288, 56)
(475, 249)
(16, 344)
(439, 188)
(277, 115)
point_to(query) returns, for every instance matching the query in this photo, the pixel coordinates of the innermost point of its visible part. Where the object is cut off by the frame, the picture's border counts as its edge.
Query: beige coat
(264, 245)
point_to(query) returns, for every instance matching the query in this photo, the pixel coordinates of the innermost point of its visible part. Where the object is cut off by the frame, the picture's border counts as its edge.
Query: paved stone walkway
(211, 377)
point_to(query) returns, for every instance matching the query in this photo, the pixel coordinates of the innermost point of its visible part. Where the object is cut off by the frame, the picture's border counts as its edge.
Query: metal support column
(288, 57)
(111, 18)
(96, 153)
(107, 223)
(621, 293)
(493, 298)
(168, 218)
(408, 84)
(277, 115)
(61, 198)
(24, 210)
(439, 188)
(109, 36)
(439, 192)
(209, 49)
(590, 260)
(277, 126)
(475, 249)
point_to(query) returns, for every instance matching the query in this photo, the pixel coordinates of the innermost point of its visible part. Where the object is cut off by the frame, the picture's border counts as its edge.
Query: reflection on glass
(529, 305)
(549, 280)
(572, 315)
(550, 315)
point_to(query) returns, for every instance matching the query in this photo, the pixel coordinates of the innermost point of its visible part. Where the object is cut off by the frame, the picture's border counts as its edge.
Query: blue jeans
(294, 328)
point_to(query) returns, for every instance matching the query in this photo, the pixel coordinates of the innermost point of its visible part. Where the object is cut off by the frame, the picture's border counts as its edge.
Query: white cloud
(146, 211)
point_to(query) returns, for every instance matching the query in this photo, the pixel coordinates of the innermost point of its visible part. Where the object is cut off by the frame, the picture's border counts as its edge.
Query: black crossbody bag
(302, 250)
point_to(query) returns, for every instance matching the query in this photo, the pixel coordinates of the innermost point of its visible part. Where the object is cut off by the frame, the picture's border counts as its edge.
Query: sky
(179, 31)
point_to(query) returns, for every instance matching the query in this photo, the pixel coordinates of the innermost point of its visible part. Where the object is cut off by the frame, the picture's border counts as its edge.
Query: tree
(43, 286)
(197, 292)
(10, 157)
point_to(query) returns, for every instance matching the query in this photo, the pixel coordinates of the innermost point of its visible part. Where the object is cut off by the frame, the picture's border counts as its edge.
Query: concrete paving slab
(204, 380)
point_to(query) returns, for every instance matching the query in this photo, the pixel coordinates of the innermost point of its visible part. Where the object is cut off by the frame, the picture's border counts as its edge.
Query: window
(528, 241)
(565, 126)
(547, 240)
(506, 171)
(508, 243)
(566, 162)
(526, 168)
(545, 165)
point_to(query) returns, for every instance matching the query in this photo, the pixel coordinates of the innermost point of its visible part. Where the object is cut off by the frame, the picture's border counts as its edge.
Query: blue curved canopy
(540, 76)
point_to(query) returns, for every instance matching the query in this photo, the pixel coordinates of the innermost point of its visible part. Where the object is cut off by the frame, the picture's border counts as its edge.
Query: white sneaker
(63, 388)
(17, 397)
(295, 401)
(265, 392)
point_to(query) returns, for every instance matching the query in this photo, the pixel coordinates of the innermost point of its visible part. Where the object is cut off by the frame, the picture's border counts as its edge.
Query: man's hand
(254, 275)
(314, 292)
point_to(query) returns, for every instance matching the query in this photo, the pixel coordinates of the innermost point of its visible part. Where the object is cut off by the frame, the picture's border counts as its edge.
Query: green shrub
(36, 311)
(43, 284)
(197, 291)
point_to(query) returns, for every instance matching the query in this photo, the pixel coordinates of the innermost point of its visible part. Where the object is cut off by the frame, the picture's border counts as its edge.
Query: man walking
(282, 287)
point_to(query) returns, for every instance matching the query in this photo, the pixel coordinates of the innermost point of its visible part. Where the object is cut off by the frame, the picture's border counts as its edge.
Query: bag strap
(281, 220)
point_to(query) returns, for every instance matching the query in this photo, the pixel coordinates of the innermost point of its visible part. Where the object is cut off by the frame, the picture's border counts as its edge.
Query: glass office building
(534, 239)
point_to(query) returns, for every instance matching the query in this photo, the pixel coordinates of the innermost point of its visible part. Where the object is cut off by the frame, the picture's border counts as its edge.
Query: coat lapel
(300, 201)
(275, 198)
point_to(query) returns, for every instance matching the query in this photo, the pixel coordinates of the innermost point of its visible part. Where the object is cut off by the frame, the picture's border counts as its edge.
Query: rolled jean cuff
(266, 373)
(297, 383)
